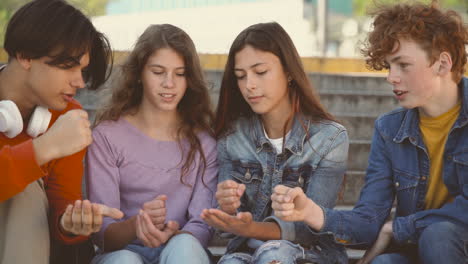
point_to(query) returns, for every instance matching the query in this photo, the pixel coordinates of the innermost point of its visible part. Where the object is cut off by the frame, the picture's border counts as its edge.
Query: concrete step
(360, 126)
(350, 82)
(375, 104)
(352, 185)
(358, 154)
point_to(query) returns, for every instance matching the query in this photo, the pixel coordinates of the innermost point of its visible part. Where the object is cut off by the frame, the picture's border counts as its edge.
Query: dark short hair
(58, 30)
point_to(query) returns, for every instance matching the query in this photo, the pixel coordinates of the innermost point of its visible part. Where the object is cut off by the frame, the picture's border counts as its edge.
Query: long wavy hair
(269, 37)
(194, 107)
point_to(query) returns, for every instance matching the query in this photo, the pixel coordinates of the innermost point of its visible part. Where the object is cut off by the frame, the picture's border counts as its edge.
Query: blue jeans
(441, 242)
(183, 248)
(280, 250)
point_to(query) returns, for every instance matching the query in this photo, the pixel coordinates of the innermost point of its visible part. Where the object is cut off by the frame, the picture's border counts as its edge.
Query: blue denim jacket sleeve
(362, 224)
(225, 166)
(323, 187)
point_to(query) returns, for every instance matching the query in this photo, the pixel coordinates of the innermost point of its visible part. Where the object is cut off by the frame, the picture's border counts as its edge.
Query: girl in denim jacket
(271, 130)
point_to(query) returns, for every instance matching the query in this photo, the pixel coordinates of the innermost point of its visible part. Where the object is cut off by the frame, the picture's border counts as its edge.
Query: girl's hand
(149, 234)
(239, 224)
(228, 196)
(156, 209)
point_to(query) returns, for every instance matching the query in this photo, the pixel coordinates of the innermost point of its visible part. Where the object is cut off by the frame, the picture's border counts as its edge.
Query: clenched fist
(228, 196)
(71, 133)
(156, 210)
(292, 204)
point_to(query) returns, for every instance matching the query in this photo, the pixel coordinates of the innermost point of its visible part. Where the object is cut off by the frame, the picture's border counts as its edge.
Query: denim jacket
(315, 161)
(399, 167)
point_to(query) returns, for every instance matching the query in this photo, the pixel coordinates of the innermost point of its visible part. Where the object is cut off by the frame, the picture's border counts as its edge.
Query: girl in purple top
(153, 155)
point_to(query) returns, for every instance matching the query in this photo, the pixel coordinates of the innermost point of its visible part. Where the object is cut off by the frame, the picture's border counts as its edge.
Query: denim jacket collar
(410, 126)
(295, 142)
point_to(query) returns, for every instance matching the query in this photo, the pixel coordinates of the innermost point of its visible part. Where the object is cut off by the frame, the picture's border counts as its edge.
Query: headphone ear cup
(39, 121)
(11, 121)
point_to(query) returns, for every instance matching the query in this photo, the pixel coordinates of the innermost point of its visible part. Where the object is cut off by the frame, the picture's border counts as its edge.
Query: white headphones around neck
(11, 121)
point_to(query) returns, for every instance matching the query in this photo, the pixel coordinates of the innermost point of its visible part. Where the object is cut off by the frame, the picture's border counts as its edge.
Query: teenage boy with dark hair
(53, 50)
(419, 153)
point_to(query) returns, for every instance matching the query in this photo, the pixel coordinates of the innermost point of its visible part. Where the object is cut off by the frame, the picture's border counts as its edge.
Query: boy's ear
(24, 62)
(444, 64)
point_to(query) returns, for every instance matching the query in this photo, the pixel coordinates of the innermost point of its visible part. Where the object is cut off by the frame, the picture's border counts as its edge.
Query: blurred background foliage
(8, 8)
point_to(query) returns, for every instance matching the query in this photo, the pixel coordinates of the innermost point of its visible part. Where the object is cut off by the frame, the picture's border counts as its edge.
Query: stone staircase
(356, 100)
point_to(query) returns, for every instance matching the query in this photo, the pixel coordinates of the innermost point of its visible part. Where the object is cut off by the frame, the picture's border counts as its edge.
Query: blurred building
(213, 24)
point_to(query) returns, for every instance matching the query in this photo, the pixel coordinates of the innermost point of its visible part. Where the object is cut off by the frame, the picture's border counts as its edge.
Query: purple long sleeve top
(125, 168)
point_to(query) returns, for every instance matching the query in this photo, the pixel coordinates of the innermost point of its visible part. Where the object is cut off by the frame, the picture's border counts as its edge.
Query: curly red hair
(434, 30)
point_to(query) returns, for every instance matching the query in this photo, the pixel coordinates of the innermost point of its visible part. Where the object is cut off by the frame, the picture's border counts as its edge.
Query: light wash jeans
(441, 242)
(183, 248)
(280, 250)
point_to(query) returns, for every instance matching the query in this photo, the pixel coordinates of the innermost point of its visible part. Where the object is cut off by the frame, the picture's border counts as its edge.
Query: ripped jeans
(273, 251)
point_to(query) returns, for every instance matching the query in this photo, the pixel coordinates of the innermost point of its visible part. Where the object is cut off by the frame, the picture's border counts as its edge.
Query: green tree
(361, 7)
(8, 8)
(91, 7)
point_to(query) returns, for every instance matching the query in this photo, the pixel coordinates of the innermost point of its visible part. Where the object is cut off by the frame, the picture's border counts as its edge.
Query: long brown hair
(194, 107)
(269, 37)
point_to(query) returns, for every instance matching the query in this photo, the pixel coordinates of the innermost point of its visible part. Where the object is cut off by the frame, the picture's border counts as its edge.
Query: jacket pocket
(250, 174)
(405, 185)
(296, 177)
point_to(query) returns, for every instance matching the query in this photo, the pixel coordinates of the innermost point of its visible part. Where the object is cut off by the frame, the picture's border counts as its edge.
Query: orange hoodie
(62, 177)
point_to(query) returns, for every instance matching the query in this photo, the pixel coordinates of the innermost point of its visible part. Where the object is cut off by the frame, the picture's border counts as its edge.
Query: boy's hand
(156, 210)
(84, 218)
(382, 242)
(228, 196)
(291, 204)
(69, 134)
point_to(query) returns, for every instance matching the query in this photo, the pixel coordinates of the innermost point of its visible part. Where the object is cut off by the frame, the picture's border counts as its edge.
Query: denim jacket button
(301, 181)
(423, 178)
(449, 157)
(397, 184)
(247, 175)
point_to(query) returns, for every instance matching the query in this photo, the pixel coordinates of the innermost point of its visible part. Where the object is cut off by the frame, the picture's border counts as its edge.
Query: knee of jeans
(384, 259)
(440, 240)
(117, 257)
(235, 258)
(277, 252)
(128, 256)
(184, 246)
(441, 232)
(184, 240)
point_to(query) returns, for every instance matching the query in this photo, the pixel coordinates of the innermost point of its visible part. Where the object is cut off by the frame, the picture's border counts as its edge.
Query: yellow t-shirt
(435, 131)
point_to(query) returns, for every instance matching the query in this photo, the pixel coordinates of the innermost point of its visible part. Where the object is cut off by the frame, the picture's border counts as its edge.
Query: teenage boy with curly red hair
(419, 153)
